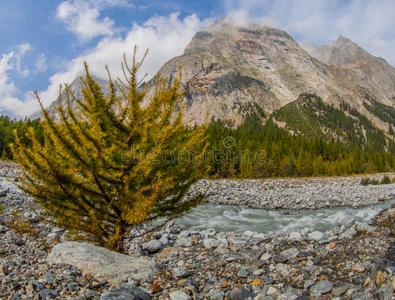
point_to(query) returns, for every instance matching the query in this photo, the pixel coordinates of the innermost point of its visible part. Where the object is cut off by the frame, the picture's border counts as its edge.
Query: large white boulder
(102, 263)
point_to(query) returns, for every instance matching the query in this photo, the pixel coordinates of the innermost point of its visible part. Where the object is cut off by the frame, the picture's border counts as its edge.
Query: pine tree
(111, 162)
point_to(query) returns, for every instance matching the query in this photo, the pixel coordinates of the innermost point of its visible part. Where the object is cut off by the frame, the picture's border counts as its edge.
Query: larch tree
(111, 162)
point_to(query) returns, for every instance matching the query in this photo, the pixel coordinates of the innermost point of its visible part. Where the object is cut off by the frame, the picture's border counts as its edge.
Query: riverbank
(298, 193)
(348, 262)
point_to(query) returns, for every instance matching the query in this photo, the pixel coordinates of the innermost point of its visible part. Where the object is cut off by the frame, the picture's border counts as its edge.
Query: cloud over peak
(83, 18)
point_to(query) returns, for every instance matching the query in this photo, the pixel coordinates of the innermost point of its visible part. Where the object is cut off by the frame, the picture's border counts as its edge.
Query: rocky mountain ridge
(231, 71)
(236, 67)
(354, 66)
(232, 67)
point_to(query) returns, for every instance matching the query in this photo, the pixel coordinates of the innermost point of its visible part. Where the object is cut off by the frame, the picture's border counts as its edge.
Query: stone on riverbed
(102, 263)
(296, 236)
(290, 252)
(316, 236)
(178, 295)
(185, 242)
(180, 272)
(211, 243)
(152, 246)
(385, 292)
(125, 292)
(321, 288)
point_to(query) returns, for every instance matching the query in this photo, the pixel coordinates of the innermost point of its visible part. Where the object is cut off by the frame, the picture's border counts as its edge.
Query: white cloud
(18, 107)
(12, 62)
(41, 63)
(23, 48)
(242, 18)
(164, 36)
(16, 62)
(83, 18)
(9, 63)
(6, 86)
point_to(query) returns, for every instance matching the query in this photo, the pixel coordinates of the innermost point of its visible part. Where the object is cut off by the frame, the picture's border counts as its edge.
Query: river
(240, 219)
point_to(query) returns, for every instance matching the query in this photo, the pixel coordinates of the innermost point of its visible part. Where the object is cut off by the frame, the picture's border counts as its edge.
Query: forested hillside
(7, 128)
(256, 150)
(310, 116)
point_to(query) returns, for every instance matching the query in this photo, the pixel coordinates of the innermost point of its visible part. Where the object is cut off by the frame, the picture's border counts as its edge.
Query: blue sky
(44, 42)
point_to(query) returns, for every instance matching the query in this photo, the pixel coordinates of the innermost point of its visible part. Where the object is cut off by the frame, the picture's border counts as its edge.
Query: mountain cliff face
(357, 69)
(237, 67)
(231, 71)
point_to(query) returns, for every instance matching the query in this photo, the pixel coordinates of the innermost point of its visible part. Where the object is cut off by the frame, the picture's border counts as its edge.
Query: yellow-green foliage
(111, 162)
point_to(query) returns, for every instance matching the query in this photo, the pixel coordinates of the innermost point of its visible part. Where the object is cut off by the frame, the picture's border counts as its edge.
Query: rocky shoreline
(349, 262)
(298, 193)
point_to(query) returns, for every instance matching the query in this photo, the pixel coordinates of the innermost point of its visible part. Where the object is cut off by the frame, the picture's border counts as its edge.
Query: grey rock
(152, 246)
(283, 269)
(19, 243)
(211, 232)
(352, 288)
(178, 295)
(263, 297)
(243, 273)
(385, 292)
(259, 272)
(10, 236)
(348, 234)
(273, 291)
(310, 269)
(287, 296)
(268, 280)
(192, 283)
(215, 294)
(295, 236)
(184, 242)
(291, 252)
(211, 243)
(164, 240)
(135, 250)
(53, 236)
(315, 235)
(321, 288)
(139, 293)
(125, 292)
(49, 278)
(184, 233)
(72, 286)
(110, 295)
(240, 294)
(36, 285)
(89, 294)
(102, 263)
(265, 256)
(362, 296)
(305, 231)
(48, 294)
(340, 290)
(180, 272)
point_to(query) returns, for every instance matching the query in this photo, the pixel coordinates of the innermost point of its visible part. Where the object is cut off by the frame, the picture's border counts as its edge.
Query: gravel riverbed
(348, 262)
(298, 193)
